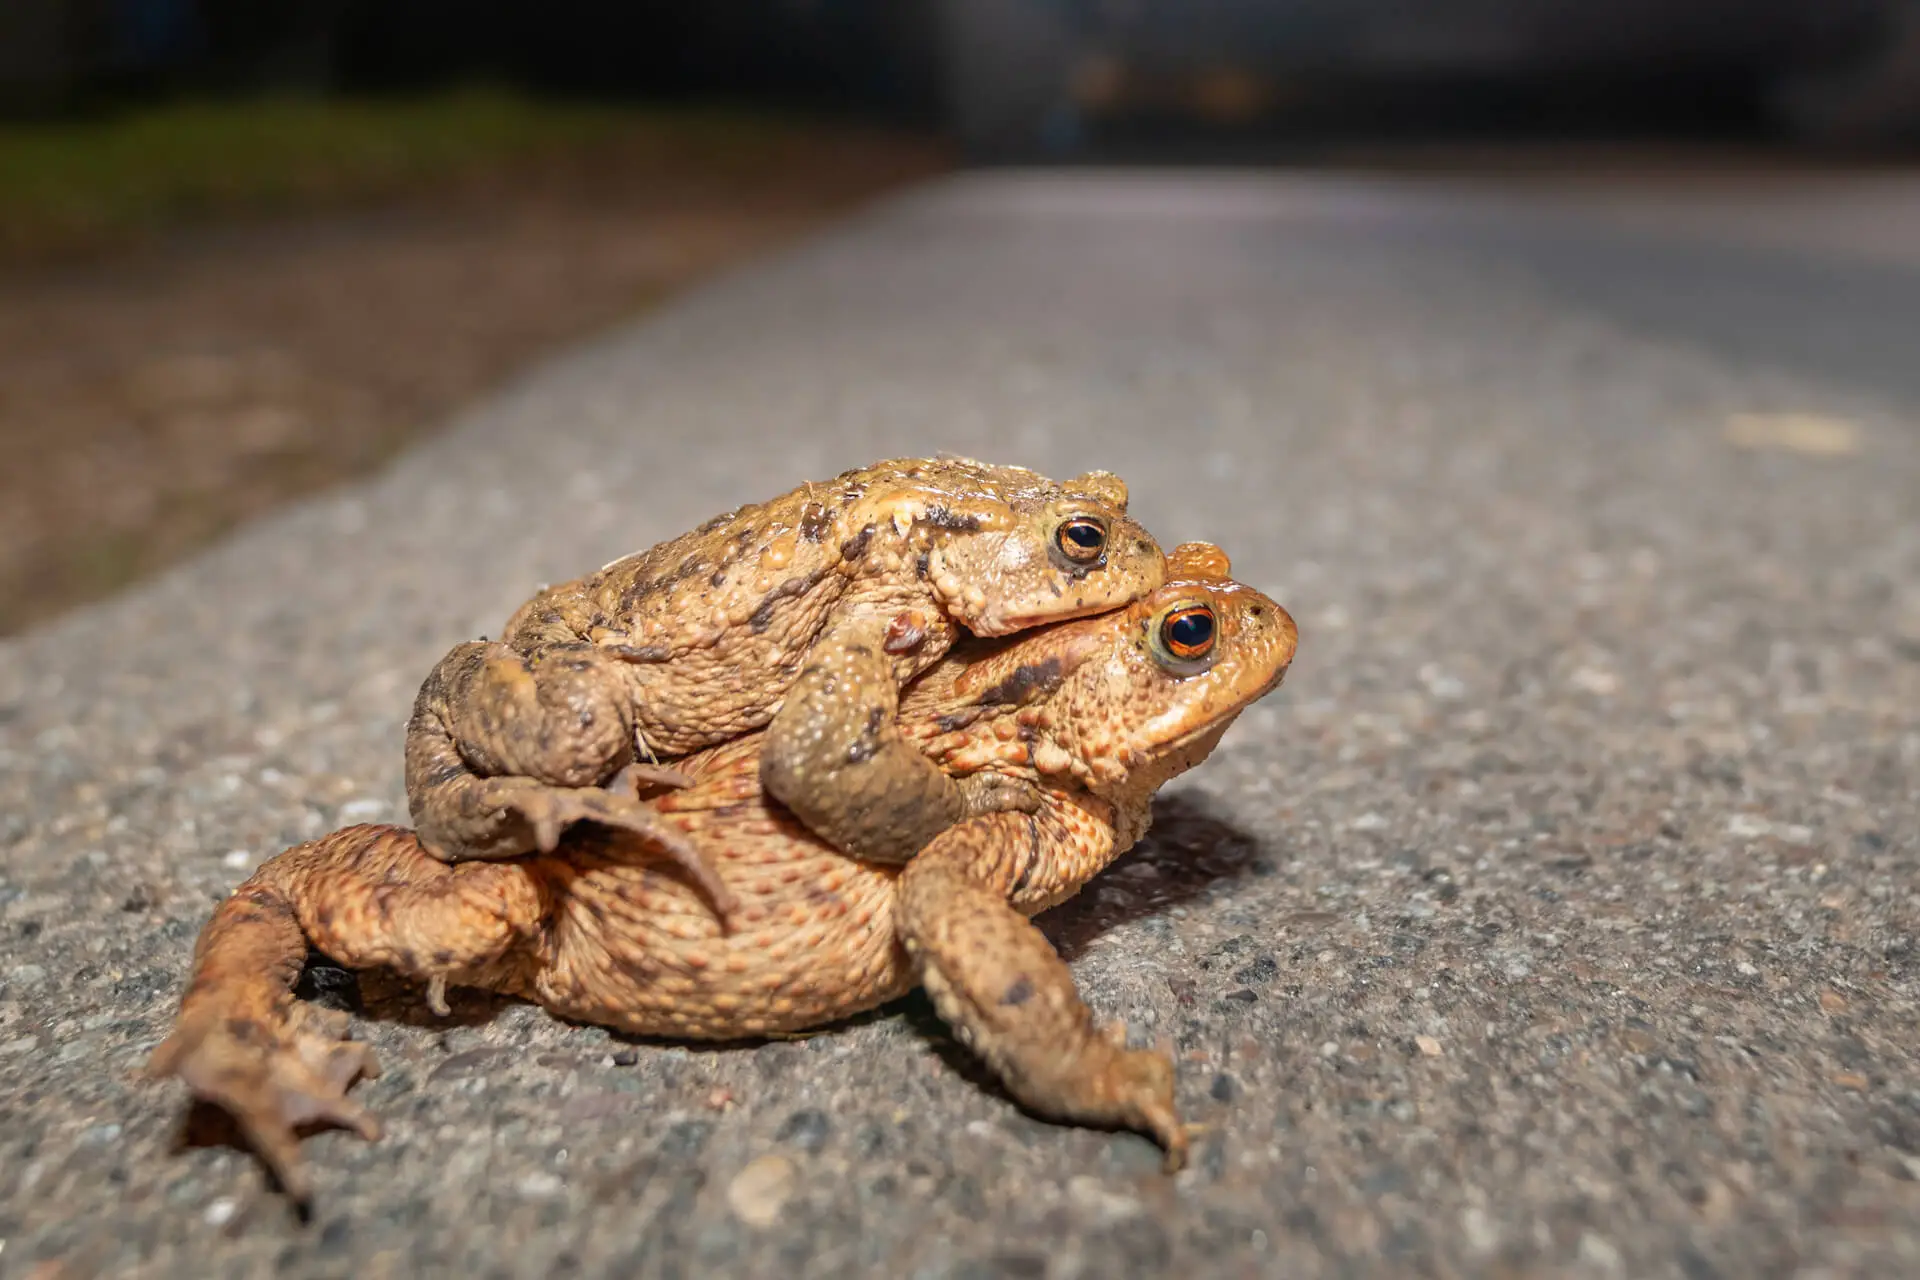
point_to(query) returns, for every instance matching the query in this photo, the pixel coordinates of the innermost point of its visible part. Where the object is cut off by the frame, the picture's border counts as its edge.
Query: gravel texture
(1559, 916)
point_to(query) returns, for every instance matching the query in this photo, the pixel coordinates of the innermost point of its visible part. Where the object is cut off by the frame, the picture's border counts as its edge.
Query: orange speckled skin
(803, 615)
(1097, 713)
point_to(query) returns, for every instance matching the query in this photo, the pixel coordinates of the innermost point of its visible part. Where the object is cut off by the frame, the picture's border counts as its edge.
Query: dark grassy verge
(97, 183)
(213, 309)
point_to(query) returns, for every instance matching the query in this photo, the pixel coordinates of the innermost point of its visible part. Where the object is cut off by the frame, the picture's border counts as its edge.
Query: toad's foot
(835, 757)
(274, 1078)
(1137, 1086)
(1010, 998)
(551, 810)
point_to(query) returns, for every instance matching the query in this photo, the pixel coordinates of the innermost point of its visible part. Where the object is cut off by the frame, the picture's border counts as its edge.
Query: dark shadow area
(387, 997)
(1192, 848)
(329, 985)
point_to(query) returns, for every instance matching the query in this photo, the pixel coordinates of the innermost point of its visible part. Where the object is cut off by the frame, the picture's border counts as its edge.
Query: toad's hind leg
(366, 897)
(1010, 998)
(835, 758)
(504, 753)
(242, 1042)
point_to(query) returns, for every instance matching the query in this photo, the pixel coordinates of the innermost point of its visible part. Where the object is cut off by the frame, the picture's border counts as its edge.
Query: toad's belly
(633, 947)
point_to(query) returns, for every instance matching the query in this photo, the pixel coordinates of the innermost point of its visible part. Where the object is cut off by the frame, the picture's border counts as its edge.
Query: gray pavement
(1558, 917)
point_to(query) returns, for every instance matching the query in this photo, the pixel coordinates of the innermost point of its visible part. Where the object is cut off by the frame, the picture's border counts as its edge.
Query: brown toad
(1096, 713)
(803, 615)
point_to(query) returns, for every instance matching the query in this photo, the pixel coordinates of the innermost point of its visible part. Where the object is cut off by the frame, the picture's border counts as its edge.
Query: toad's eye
(1187, 632)
(1081, 539)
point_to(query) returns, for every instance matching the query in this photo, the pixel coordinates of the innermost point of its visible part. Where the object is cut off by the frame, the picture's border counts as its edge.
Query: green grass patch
(78, 185)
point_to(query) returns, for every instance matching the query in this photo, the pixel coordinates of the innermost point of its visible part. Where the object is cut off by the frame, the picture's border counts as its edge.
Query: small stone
(626, 1058)
(1833, 1002)
(1596, 680)
(22, 1045)
(1368, 821)
(1091, 1197)
(1850, 1080)
(540, 1185)
(1638, 1041)
(236, 859)
(1599, 1251)
(221, 1211)
(25, 976)
(1483, 1236)
(1264, 969)
(100, 1135)
(760, 1191)
(1427, 1045)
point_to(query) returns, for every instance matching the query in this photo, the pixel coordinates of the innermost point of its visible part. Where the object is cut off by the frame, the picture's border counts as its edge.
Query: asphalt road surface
(1558, 917)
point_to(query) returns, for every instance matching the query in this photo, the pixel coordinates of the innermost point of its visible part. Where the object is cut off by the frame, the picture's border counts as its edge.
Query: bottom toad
(1097, 712)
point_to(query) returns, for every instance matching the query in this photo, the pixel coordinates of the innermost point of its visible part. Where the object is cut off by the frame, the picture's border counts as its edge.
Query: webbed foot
(274, 1078)
(551, 810)
(1138, 1085)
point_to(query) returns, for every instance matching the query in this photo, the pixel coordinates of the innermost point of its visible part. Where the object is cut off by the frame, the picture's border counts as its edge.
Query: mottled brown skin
(803, 615)
(1096, 713)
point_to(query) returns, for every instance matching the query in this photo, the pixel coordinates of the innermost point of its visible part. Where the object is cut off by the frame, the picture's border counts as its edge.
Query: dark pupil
(1190, 630)
(1084, 534)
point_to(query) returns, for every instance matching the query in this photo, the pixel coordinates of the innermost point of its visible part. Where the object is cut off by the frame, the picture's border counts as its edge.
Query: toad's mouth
(1006, 624)
(1274, 683)
(1218, 725)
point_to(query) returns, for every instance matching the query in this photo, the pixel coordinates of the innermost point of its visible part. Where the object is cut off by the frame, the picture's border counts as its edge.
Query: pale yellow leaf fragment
(1813, 434)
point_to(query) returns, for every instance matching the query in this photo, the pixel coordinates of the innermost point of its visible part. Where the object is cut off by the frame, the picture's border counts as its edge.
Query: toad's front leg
(367, 897)
(1010, 998)
(505, 752)
(834, 756)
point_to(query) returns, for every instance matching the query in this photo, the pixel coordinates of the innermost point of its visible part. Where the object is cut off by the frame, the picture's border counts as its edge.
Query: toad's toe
(273, 1080)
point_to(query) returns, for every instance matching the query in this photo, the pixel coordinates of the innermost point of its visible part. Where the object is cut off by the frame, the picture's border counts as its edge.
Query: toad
(1096, 714)
(803, 615)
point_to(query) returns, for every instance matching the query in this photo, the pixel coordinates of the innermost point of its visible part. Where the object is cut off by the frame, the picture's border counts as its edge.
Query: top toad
(805, 615)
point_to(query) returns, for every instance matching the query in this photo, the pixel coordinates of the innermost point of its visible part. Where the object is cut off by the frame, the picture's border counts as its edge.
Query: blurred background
(249, 249)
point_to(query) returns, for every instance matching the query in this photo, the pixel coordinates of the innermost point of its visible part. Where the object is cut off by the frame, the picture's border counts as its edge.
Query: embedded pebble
(540, 1184)
(760, 1191)
(1090, 1195)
